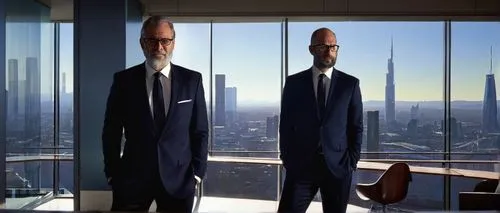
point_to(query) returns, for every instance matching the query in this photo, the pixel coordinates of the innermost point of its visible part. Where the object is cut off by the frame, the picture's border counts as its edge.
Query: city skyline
(227, 39)
(421, 46)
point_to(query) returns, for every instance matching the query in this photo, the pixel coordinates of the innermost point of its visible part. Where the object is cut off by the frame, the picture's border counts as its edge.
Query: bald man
(321, 130)
(160, 107)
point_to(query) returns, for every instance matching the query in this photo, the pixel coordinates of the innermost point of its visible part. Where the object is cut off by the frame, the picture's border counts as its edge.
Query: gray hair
(155, 21)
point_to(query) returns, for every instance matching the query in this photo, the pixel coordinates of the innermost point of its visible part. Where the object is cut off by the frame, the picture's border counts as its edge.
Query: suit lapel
(144, 99)
(176, 83)
(331, 97)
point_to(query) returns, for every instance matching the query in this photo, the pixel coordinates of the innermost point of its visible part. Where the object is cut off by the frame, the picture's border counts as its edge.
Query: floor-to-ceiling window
(400, 68)
(475, 130)
(66, 141)
(30, 106)
(246, 84)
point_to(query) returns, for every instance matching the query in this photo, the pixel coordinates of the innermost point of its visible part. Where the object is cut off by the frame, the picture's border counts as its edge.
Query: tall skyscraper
(414, 112)
(490, 122)
(32, 102)
(33, 120)
(63, 84)
(272, 127)
(13, 96)
(220, 100)
(372, 133)
(231, 105)
(412, 128)
(390, 93)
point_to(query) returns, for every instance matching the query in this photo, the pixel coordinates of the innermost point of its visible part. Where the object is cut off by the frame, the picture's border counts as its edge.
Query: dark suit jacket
(339, 131)
(178, 153)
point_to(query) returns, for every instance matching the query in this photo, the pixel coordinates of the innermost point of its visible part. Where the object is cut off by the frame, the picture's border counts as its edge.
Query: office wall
(100, 51)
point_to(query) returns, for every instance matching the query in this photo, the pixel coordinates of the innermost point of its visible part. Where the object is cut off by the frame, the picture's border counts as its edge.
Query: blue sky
(250, 56)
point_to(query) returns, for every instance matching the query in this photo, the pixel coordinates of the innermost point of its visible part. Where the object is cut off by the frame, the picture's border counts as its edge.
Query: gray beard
(158, 64)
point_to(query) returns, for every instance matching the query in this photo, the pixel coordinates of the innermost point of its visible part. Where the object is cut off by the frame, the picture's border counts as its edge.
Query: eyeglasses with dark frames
(324, 47)
(154, 41)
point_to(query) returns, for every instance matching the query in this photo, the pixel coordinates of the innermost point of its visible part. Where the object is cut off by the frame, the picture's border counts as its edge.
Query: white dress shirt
(166, 84)
(327, 80)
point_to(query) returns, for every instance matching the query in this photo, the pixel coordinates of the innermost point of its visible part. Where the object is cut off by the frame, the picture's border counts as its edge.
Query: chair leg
(384, 208)
(371, 208)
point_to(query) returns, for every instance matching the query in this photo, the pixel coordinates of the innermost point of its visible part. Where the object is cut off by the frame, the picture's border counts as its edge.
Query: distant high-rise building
(490, 122)
(372, 133)
(22, 97)
(412, 128)
(220, 100)
(390, 92)
(63, 84)
(414, 112)
(13, 96)
(32, 101)
(231, 105)
(272, 127)
(455, 128)
(33, 120)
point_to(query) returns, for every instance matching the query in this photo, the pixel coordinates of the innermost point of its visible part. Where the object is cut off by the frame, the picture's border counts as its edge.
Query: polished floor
(213, 204)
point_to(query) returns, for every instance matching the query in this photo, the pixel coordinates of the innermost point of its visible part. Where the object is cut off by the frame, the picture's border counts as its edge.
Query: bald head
(320, 34)
(324, 48)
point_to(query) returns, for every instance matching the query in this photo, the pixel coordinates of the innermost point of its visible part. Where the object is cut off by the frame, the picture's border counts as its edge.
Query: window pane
(238, 180)
(247, 78)
(29, 71)
(66, 140)
(475, 130)
(192, 50)
(402, 115)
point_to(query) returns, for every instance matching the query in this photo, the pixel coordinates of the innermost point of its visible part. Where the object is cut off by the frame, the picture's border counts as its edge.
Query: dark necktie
(321, 95)
(158, 103)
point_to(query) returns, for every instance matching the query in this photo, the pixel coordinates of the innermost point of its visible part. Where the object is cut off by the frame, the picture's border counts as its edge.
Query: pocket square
(184, 101)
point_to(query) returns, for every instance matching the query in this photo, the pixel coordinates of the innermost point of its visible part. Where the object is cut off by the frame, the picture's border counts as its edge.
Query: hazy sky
(250, 56)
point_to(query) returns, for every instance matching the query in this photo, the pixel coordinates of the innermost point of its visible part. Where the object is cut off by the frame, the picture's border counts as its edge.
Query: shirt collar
(165, 71)
(328, 72)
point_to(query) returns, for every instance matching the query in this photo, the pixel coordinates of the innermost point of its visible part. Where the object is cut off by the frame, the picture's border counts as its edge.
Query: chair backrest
(394, 183)
(486, 186)
(478, 201)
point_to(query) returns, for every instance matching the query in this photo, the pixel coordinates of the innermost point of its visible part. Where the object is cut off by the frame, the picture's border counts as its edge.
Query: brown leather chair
(483, 198)
(391, 187)
(489, 185)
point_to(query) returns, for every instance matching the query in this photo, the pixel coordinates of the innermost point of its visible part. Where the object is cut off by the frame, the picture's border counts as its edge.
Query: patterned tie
(158, 103)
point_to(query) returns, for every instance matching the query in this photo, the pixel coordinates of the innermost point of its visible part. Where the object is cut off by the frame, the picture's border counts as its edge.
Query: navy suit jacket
(178, 153)
(339, 132)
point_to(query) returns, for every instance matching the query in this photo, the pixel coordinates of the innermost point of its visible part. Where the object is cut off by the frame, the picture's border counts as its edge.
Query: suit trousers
(299, 190)
(138, 195)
